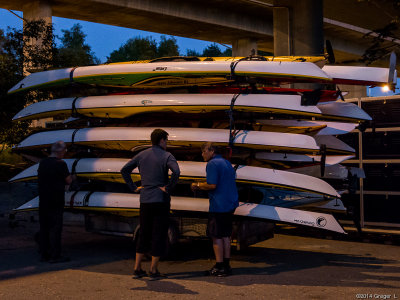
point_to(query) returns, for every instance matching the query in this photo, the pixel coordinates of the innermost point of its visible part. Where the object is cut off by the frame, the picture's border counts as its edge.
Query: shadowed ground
(289, 266)
(285, 267)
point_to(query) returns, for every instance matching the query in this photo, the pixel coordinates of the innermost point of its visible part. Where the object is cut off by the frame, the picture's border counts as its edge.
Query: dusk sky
(103, 39)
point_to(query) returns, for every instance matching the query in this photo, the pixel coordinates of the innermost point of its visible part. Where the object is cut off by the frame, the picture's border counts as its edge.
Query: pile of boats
(282, 141)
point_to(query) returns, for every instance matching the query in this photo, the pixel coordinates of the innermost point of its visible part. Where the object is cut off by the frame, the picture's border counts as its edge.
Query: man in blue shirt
(153, 164)
(221, 187)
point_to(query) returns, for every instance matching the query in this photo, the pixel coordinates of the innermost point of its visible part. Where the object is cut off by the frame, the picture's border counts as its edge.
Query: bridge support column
(298, 30)
(35, 10)
(244, 47)
(298, 27)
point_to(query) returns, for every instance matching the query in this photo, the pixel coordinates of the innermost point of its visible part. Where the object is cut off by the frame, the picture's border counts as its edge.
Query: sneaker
(156, 276)
(214, 271)
(59, 259)
(139, 274)
(228, 270)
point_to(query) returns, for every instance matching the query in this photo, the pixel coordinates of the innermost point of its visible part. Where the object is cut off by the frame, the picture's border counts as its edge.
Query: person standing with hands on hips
(155, 189)
(223, 195)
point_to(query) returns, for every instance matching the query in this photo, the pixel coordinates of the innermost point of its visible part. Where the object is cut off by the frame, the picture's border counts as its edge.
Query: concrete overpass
(244, 24)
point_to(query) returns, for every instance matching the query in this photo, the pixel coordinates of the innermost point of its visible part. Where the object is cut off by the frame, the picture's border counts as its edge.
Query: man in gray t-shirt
(153, 164)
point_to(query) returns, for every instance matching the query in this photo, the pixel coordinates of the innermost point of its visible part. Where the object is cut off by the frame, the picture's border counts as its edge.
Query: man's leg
(227, 255)
(218, 247)
(226, 228)
(227, 247)
(44, 244)
(138, 261)
(159, 234)
(55, 237)
(154, 264)
(55, 233)
(143, 241)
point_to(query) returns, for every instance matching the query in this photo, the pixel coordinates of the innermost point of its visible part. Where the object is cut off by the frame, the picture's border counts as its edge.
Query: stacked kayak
(284, 150)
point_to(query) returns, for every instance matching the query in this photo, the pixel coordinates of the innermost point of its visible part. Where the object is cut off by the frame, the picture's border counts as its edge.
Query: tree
(136, 48)
(18, 51)
(167, 47)
(192, 52)
(139, 48)
(14, 57)
(74, 51)
(227, 52)
(212, 50)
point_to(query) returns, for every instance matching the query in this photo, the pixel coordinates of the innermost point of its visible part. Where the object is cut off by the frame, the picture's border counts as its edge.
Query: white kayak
(117, 202)
(108, 169)
(302, 158)
(328, 128)
(343, 110)
(127, 138)
(172, 74)
(331, 172)
(359, 75)
(333, 206)
(122, 106)
(333, 144)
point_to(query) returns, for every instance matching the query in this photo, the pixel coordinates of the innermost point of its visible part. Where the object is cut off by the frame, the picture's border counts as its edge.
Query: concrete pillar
(298, 30)
(244, 47)
(35, 10)
(282, 31)
(298, 27)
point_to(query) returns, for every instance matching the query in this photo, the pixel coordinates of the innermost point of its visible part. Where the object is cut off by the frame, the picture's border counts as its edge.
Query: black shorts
(153, 232)
(219, 225)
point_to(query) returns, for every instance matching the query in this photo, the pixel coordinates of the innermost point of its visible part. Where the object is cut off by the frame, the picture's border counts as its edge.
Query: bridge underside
(223, 21)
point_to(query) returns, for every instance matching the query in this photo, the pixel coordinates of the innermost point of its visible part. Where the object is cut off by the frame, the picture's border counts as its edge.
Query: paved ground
(285, 267)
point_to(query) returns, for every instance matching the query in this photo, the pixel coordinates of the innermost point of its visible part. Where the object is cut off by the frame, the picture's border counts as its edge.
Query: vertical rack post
(360, 157)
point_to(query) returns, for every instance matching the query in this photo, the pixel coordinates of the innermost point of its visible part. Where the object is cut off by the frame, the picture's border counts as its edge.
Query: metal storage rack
(387, 110)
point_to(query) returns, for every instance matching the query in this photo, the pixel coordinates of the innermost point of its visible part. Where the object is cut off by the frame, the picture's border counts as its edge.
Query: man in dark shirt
(53, 175)
(222, 191)
(155, 189)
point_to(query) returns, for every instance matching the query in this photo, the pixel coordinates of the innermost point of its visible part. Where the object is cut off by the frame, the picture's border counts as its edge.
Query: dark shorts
(220, 225)
(153, 232)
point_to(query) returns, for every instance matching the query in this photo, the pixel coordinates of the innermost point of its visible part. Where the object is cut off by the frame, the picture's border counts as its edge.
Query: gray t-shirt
(153, 164)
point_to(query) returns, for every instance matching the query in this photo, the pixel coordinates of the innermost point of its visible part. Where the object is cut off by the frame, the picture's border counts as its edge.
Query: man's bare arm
(69, 179)
(203, 186)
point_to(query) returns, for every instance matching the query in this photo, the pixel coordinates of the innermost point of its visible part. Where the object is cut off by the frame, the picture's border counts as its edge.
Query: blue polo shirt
(224, 198)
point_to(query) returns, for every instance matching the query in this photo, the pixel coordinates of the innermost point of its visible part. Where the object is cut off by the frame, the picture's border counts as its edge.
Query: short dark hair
(210, 147)
(157, 135)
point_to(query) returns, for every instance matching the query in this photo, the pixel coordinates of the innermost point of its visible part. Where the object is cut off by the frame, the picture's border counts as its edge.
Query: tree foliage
(167, 47)
(139, 48)
(192, 52)
(74, 51)
(18, 51)
(213, 50)
(14, 58)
